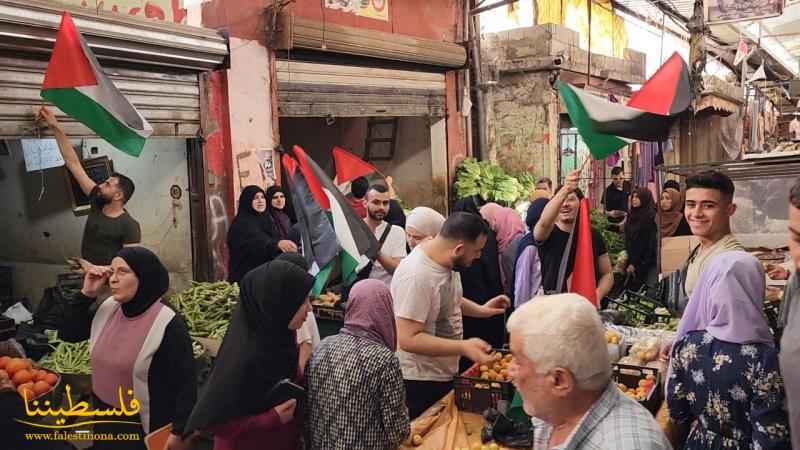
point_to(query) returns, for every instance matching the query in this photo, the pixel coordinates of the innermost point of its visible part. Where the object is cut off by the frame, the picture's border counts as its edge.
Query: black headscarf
(252, 237)
(640, 217)
(533, 215)
(280, 217)
(153, 279)
(471, 204)
(295, 258)
(258, 350)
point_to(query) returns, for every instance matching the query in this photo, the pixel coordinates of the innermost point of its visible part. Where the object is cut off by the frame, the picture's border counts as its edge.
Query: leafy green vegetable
(614, 241)
(490, 181)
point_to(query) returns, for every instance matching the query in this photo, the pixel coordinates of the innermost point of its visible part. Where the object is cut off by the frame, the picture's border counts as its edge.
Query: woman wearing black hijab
(259, 350)
(253, 237)
(481, 282)
(641, 238)
(138, 344)
(281, 214)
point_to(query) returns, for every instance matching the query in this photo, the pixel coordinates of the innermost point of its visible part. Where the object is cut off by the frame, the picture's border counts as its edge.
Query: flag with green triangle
(77, 85)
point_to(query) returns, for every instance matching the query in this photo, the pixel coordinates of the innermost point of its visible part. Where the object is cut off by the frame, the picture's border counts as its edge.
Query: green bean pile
(207, 309)
(68, 357)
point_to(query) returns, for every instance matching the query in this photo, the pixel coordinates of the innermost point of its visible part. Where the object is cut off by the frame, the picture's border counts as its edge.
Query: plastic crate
(476, 395)
(634, 311)
(644, 301)
(324, 313)
(68, 284)
(630, 376)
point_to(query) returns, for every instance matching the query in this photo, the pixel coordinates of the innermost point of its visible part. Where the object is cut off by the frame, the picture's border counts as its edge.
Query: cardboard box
(675, 251)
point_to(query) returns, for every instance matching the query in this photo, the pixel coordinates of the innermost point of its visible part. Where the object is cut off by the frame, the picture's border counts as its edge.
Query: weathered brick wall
(522, 106)
(522, 124)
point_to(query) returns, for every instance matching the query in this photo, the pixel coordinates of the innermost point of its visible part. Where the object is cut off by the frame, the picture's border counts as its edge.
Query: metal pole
(589, 50)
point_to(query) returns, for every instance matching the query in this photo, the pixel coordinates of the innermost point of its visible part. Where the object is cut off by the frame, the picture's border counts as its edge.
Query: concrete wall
(39, 235)
(411, 167)
(522, 124)
(522, 117)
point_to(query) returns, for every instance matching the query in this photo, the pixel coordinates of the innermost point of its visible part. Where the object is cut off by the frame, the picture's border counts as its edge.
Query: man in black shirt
(615, 199)
(551, 235)
(109, 227)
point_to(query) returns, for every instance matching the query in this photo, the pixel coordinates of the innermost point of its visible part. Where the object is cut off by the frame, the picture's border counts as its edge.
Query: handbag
(673, 287)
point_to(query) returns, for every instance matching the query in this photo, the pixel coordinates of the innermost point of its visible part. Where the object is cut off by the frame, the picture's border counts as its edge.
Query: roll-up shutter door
(155, 65)
(170, 102)
(297, 33)
(307, 89)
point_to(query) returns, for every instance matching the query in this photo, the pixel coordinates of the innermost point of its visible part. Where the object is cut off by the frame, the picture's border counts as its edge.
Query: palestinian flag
(349, 166)
(77, 85)
(332, 232)
(584, 280)
(606, 126)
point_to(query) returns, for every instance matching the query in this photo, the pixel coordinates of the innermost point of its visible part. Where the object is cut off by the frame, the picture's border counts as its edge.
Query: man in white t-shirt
(393, 248)
(428, 306)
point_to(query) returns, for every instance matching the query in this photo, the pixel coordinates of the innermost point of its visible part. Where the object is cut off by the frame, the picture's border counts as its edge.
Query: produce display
(207, 309)
(68, 357)
(498, 370)
(615, 244)
(490, 181)
(612, 337)
(643, 352)
(640, 392)
(327, 300)
(29, 380)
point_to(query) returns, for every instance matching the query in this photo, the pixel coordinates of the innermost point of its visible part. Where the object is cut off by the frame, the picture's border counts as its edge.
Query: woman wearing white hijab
(423, 223)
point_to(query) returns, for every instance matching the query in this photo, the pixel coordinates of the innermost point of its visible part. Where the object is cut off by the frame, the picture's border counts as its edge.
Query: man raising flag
(552, 235)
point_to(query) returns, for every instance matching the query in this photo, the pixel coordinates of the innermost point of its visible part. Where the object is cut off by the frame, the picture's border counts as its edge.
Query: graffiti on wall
(218, 216)
(373, 9)
(169, 10)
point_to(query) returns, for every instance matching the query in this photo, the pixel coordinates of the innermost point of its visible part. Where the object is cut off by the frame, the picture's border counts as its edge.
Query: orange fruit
(40, 375)
(51, 379)
(22, 376)
(41, 387)
(14, 365)
(4, 375)
(3, 361)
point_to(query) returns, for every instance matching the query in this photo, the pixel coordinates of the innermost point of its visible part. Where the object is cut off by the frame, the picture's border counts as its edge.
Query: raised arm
(67, 152)
(543, 228)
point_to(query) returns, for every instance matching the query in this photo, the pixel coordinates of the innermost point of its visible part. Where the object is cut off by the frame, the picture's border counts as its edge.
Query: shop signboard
(374, 9)
(722, 11)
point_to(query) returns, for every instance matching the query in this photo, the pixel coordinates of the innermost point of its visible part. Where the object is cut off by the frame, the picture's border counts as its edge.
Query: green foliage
(528, 181)
(614, 241)
(491, 182)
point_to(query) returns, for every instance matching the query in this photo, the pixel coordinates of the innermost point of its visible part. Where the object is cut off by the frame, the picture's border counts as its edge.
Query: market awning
(765, 168)
(29, 26)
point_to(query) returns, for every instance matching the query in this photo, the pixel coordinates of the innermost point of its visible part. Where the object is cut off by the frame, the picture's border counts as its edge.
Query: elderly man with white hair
(562, 371)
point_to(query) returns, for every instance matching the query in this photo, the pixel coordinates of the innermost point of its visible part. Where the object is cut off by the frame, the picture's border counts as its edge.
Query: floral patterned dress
(731, 393)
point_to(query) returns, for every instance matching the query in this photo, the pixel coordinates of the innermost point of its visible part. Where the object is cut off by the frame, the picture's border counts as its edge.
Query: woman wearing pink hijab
(509, 228)
(356, 395)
